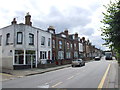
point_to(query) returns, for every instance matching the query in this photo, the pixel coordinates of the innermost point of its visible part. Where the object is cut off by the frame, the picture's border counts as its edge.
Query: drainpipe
(37, 51)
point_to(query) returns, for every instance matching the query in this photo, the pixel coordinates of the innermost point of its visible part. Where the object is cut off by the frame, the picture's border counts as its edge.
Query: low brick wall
(46, 65)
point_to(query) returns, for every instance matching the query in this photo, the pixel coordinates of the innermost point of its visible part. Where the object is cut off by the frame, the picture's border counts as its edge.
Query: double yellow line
(103, 79)
(5, 74)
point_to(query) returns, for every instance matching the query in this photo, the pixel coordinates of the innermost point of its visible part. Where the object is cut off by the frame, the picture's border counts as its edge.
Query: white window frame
(43, 41)
(19, 37)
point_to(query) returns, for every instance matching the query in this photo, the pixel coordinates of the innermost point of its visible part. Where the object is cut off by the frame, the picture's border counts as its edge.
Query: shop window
(19, 57)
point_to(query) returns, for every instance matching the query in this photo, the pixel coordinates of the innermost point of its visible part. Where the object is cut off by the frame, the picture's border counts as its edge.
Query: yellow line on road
(71, 77)
(56, 84)
(5, 74)
(103, 79)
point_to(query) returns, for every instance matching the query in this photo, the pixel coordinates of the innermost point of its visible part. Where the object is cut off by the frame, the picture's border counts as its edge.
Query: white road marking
(70, 77)
(56, 84)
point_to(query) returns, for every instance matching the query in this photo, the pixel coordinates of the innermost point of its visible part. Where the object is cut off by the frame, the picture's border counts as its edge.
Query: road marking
(103, 79)
(70, 77)
(56, 84)
(5, 74)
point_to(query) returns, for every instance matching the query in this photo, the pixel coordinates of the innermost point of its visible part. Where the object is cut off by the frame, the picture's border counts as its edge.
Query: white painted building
(24, 46)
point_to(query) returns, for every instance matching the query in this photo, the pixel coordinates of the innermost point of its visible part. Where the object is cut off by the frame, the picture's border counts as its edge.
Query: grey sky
(82, 16)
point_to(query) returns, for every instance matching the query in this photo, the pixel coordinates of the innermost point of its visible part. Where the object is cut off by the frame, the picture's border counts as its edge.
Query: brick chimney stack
(66, 32)
(83, 38)
(51, 29)
(14, 21)
(76, 35)
(80, 40)
(28, 19)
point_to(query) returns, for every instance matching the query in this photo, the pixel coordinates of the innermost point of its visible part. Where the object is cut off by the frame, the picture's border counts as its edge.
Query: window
(0, 40)
(43, 55)
(68, 55)
(19, 37)
(30, 55)
(76, 54)
(68, 45)
(7, 39)
(43, 40)
(74, 45)
(53, 43)
(60, 44)
(60, 55)
(48, 41)
(31, 39)
(19, 57)
(71, 45)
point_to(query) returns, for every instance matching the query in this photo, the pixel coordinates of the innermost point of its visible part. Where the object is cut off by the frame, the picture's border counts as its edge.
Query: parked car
(97, 58)
(78, 62)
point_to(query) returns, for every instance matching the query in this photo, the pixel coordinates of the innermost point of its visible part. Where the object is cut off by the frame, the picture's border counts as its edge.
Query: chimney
(76, 35)
(66, 32)
(28, 19)
(80, 40)
(83, 38)
(14, 21)
(51, 29)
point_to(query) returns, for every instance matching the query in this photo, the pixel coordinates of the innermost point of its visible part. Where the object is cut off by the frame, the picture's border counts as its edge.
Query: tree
(111, 28)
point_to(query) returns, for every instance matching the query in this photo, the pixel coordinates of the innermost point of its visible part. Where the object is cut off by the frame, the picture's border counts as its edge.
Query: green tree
(111, 28)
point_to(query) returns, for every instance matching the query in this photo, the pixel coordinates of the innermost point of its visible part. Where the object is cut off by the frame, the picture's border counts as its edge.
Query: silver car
(78, 62)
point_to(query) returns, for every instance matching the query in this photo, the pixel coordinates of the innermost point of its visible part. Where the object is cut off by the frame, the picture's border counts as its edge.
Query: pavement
(8, 74)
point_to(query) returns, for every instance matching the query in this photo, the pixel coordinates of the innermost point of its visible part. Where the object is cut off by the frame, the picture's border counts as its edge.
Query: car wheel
(80, 65)
(72, 66)
(84, 64)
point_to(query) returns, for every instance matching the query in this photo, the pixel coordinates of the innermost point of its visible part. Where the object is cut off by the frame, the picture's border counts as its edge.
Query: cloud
(69, 18)
(80, 16)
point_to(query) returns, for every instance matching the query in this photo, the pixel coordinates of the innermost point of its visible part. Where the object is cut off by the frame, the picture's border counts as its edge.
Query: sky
(81, 16)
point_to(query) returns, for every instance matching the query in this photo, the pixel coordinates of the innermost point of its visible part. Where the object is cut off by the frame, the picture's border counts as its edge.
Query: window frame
(0, 40)
(43, 41)
(21, 40)
(49, 42)
(53, 41)
(7, 38)
(31, 38)
(60, 44)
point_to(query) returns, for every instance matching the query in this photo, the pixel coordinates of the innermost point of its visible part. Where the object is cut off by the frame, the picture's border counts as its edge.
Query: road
(88, 76)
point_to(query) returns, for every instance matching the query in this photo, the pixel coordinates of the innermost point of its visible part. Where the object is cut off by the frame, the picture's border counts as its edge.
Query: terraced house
(24, 46)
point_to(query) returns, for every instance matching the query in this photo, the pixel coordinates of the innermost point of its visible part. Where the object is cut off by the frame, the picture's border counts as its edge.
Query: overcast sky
(81, 16)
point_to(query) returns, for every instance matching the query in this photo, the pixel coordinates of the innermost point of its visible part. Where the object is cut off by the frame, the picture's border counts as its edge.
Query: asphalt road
(88, 76)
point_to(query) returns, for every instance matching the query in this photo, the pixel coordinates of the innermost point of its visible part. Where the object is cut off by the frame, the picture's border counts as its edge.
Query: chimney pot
(14, 21)
(66, 32)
